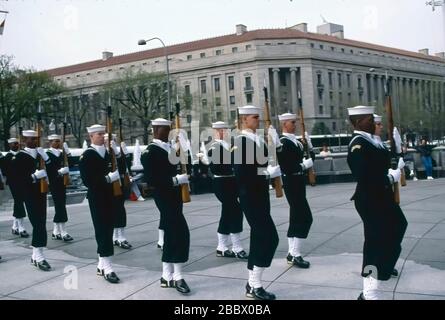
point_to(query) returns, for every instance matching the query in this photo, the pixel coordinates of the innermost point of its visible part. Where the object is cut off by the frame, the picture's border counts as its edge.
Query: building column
(293, 89)
(380, 91)
(276, 93)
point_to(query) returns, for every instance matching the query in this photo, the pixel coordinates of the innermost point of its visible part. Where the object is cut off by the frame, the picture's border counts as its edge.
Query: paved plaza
(334, 249)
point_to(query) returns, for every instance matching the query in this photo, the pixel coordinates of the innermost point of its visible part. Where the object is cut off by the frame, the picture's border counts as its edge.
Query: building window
(233, 115)
(217, 101)
(340, 97)
(248, 47)
(218, 52)
(334, 126)
(331, 96)
(216, 83)
(231, 83)
(352, 51)
(232, 100)
(321, 46)
(234, 49)
(267, 43)
(204, 102)
(205, 119)
(249, 98)
(343, 50)
(312, 45)
(348, 80)
(330, 80)
(202, 54)
(187, 90)
(332, 48)
(332, 111)
(203, 87)
(320, 109)
(248, 82)
(282, 79)
(319, 79)
(359, 80)
(189, 57)
(339, 81)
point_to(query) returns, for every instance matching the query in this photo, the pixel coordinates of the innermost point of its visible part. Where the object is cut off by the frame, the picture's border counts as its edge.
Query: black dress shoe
(67, 238)
(227, 254)
(56, 236)
(297, 261)
(111, 277)
(24, 234)
(361, 296)
(242, 255)
(258, 293)
(100, 272)
(167, 284)
(394, 273)
(15, 232)
(42, 265)
(181, 286)
(123, 244)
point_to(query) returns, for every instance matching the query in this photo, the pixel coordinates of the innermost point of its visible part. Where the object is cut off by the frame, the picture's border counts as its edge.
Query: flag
(2, 26)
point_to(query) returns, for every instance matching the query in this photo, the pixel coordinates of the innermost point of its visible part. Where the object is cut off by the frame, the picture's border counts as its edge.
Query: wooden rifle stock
(43, 182)
(394, 160)
(121, 139)
(66, 177)
(185, 193)
(277, 183)
(311, 173)
(117, 190)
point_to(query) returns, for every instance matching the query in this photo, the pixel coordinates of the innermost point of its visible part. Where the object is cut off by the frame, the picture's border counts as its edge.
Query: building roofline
(259, 34)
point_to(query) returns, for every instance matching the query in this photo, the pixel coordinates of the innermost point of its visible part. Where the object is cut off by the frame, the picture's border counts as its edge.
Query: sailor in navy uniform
(383, 220)
(120, 222)
(96, 174)
(19, 212)
(56, 171)
(294, 166)
(161, 174)
(252, 175)
(26, 174)
(220, 157)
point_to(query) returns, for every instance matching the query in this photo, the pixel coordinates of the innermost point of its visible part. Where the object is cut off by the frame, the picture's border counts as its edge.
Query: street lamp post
(144, 42)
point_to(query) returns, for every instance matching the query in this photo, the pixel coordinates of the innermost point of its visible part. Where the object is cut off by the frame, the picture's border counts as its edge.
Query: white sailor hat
(219, 125)
(161, 122)
(287, 116)
(377, 118)
(29, 133)
(249, 110)
(13, 140)
(361, 110)
(54, 137)
(96, 128)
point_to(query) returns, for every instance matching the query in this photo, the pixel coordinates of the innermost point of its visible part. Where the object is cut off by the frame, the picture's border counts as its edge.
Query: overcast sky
(45, 34)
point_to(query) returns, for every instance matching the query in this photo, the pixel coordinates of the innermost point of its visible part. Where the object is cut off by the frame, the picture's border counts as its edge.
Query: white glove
(183, 142)
(182, 178)
(395, 175)
(113, 176)
(42, 153)
(307, 163)
(273, 171)
(273, 137)
(39, 174)
(200, 155)
(63, 171)
(65, 147)
(114, 147)
(397, 140)
(124, 148)
(308, 140)
(401, 164)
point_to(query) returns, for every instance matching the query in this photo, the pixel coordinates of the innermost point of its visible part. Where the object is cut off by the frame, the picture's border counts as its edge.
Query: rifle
(394, 157)
(66, 177)
(117, 190)
(311, 172)
(121, 139)
(43, 182)
(184, 187)
(276, 181)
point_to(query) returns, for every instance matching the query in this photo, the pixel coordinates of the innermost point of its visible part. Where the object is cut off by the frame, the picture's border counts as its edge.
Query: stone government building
(223, 73)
